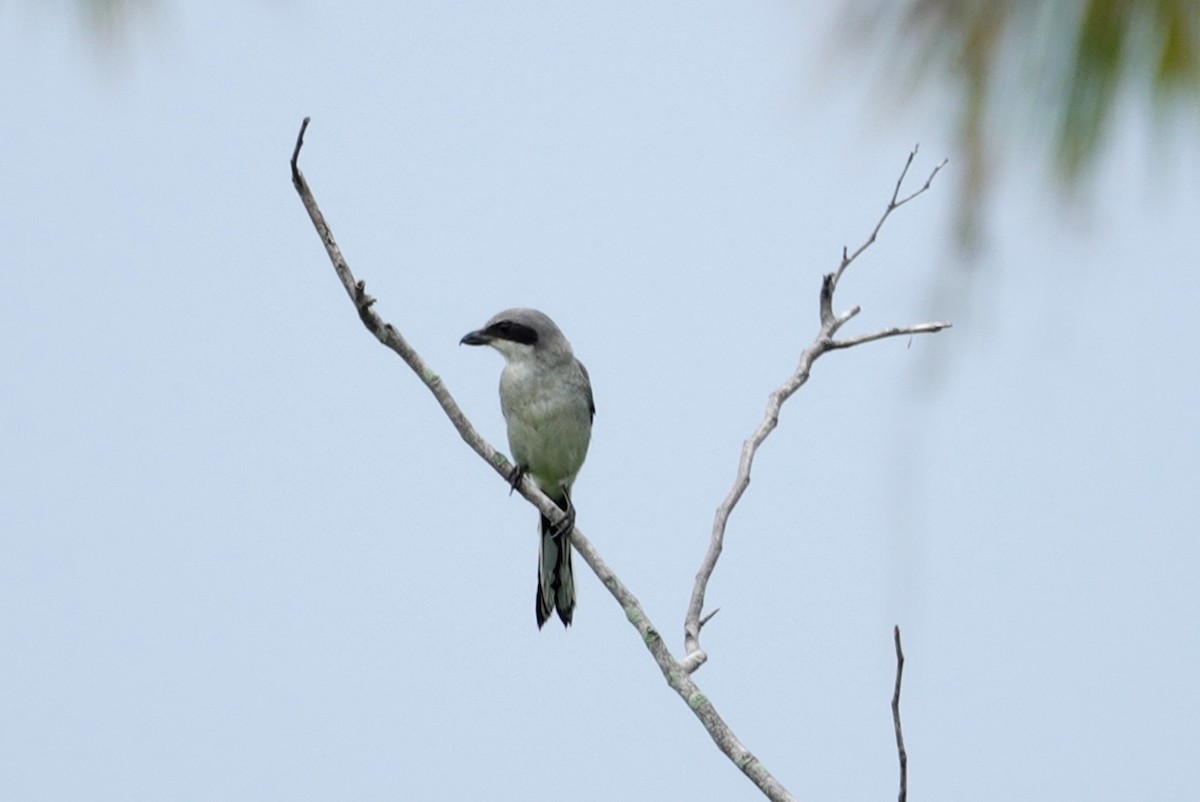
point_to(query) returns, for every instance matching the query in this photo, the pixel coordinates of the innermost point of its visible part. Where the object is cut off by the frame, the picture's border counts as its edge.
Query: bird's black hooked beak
(479, 337)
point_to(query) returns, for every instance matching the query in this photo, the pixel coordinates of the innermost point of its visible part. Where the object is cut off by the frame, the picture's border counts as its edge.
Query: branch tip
(299, 144)
(827, 284)
(912, 154)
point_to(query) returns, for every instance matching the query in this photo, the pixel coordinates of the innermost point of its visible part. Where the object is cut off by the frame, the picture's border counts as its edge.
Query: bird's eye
(504, 326)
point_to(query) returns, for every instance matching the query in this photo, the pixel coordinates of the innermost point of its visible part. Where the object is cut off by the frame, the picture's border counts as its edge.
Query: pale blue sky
(244, 556)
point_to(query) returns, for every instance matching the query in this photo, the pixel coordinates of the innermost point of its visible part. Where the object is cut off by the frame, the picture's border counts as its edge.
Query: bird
(546, 398)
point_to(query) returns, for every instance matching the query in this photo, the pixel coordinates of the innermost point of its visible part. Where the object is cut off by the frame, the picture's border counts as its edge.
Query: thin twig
(895, 203)
(676, 676)
(898, 331)
(896, 719)
(695, 656)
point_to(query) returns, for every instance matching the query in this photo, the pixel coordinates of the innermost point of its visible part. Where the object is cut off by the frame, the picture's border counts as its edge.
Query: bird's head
(519, 333)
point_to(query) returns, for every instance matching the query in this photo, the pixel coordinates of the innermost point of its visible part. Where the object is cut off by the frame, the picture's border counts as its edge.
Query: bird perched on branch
(546, 397)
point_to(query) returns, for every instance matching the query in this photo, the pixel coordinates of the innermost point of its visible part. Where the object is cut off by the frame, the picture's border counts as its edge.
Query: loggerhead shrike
(546, 398)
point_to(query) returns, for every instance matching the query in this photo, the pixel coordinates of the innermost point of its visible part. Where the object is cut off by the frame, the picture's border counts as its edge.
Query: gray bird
(546, 397)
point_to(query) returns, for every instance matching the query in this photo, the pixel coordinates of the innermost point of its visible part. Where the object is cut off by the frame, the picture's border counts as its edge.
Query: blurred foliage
(109, 17)
(108, 24)
(1058, 71)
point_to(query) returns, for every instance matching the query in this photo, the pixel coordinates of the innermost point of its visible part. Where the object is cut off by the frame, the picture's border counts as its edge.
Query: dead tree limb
(694, 621)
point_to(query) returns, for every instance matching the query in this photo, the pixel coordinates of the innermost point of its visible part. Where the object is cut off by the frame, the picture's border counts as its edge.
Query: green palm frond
(1057, 71)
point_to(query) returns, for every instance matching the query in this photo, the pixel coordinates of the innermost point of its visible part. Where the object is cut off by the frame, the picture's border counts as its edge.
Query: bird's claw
(564, 526)
(514, 477)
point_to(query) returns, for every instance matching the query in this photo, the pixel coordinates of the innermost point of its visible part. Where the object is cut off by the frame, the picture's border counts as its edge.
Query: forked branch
(677, 673)
(694, 621)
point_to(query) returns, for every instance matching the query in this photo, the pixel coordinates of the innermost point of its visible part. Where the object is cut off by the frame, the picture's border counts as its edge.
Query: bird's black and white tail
(556, 582)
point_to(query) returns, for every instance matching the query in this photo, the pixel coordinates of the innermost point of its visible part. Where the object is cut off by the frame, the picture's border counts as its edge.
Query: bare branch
(897, 331)
(895, 203)
(695, 656)
(896, 719)
(677, 677)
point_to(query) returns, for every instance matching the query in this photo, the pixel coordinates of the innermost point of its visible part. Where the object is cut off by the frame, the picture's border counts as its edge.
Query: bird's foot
(515, 476)
(565, 526)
